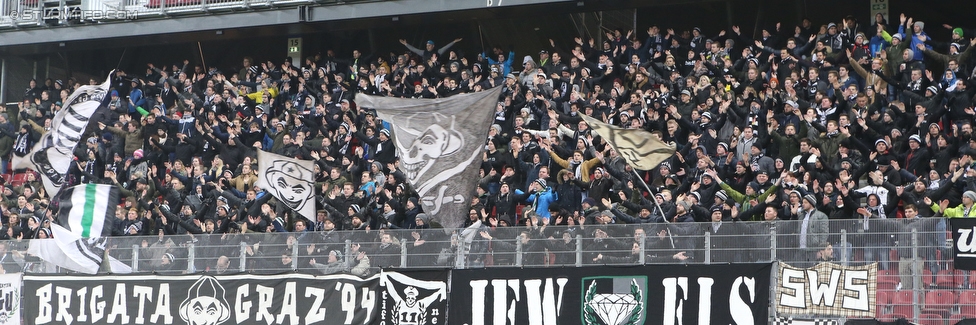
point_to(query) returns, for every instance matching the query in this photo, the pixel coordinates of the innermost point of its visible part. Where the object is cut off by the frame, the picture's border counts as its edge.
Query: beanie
(542, 182)
(970, 194)
(589, 201)
(957, 31)
(813, 199)
(721, 195)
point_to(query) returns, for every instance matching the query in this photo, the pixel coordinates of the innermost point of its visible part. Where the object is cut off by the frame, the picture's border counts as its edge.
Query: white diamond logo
(613, 309)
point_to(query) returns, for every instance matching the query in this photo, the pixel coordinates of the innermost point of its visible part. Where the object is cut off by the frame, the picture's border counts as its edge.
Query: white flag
(70, 251)
(291, 181)
(10, 286)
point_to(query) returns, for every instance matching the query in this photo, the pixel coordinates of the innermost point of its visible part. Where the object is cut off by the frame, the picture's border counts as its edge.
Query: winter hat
(541, 182)
(696, 195)
(957, 45)
(881, 141)
(884, 161)
(108, 136)
(686, 205)
(722, 195)
(724, 145)
(430, 42)
(957, 31)
(861, 35)
(589, 201)
(510, 76)
(755, 186)
(792, 104)
(920, 24)
(813, 199)
(526, 59)
(970, 194)
(707, 114)
(355, 208)
(170, 257)
(337, 253)
(424, 217)
(686, 92)
(898, 36)
(115, 93)
(933, 89)
(138, 154)
(385, 132)
(831, 25)
(498, 128)
(916, 138)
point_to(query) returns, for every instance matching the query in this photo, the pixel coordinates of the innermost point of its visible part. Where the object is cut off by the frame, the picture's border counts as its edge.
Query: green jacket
(743, 199)
(957, 212)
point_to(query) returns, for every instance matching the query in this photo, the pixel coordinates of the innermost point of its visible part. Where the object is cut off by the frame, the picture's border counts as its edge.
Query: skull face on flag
(439, 143)
(289, 183)
(429, 146)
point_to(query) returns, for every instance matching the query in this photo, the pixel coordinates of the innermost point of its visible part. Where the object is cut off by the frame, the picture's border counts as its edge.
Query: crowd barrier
(26, 13)
(884, 268)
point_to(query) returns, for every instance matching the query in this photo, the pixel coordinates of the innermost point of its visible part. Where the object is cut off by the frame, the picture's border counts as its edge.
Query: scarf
(22, 144)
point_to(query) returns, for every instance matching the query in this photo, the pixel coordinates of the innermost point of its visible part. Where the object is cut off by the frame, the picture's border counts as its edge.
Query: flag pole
(653, 198)
(202, 60)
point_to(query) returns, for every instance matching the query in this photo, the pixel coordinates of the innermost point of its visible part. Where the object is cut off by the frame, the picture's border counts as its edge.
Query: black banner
(413, 298)
(653, 294)
(293, 299)
(964, 250)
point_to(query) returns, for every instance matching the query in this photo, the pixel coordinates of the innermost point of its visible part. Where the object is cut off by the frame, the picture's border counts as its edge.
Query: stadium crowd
(848, 120)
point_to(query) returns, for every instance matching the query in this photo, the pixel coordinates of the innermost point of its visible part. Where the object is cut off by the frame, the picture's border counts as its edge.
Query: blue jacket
(506, 66)
(542, 201)
(136, 100)
(918, 56)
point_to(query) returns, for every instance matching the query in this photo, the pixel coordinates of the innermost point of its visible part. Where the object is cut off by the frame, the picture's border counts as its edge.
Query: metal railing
(916, 276)
(39, 13)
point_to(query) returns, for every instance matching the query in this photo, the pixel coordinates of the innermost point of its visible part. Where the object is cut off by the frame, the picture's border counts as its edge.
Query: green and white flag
(84, 215)
(86, 210)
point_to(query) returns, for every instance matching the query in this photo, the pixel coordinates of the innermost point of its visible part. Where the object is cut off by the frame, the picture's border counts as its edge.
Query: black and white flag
(440, 143)
(408, 300)
(641, 149)
(52, 155)
(291, 181)
(79, 245)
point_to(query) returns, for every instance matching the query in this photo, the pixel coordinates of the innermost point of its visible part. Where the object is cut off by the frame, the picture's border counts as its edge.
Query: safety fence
(838, 269)
(33, 13)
